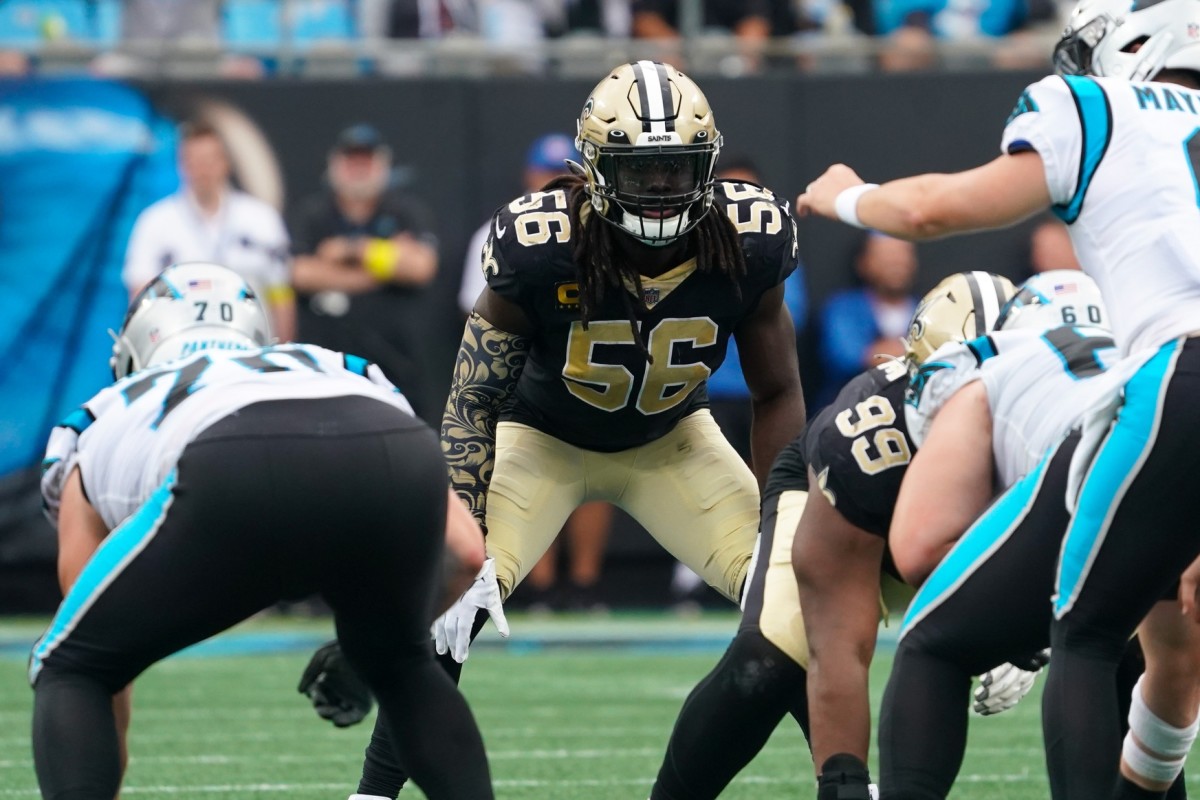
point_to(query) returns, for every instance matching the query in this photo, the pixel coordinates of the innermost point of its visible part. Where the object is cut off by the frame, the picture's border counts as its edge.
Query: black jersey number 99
(869, 424)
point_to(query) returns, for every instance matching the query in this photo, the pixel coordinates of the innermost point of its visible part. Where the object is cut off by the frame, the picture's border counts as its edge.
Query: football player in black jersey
(610, 298)
(840, 549)
(855, 452)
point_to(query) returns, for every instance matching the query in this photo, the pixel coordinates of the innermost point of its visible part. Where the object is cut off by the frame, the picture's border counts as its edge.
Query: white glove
(1002, 688)
(452, 630)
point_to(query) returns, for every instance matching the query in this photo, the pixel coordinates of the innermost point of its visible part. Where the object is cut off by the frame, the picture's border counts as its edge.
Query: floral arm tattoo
(489, 362)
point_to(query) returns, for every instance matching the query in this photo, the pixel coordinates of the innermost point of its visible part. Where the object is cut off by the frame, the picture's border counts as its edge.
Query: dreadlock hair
(600, 266)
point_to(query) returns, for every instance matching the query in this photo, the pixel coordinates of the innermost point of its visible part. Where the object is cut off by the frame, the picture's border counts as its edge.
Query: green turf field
(561, 719)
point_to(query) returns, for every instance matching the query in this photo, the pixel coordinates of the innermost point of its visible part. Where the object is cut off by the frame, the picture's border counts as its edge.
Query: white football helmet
(1055, 298)
(188, 308)
(1100, 35)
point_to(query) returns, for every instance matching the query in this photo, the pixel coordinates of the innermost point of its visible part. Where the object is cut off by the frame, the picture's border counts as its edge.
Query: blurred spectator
(171, 20)
(588, 527)
(752, 21)
(913, 26)
(835, 17)
(431, 19)
(209, 220)
(155, 33)
(1050, 246)
(612, 18)
(511, 22)
(856, 325)
(728, 395)
(363, 255)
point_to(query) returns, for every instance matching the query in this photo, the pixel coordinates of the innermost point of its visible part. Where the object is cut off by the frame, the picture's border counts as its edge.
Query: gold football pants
(689, 489)
(772, 599)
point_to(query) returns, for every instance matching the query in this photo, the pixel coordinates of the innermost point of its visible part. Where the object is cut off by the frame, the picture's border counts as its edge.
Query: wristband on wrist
(846, 203)
(379, 259)
(280, 294)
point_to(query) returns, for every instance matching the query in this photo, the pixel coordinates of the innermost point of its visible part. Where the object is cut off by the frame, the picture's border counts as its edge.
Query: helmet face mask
(1073, 53)
(649, 173)
(188, 308)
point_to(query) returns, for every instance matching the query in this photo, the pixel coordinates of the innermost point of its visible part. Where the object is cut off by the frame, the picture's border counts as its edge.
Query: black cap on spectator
(361, 137)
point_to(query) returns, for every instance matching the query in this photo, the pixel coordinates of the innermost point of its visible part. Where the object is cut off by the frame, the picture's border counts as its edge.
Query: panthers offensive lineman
(992, 412)
(218, 476)
(1112, 146)
(857, 450)
(581, 375)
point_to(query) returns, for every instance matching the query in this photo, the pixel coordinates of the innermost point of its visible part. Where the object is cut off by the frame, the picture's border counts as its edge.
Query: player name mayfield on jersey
(858, 448)
(128, 437)
(593, 387)
(1132, 207)
(1039, 385)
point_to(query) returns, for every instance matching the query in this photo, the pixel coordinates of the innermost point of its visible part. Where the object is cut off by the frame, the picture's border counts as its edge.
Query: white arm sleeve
(1046, 120)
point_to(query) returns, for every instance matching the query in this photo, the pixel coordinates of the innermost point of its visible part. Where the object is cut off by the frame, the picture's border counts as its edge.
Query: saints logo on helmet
(649, 146)
(1101, 34)
(186, 309)
(964, 306)
(1054, 298)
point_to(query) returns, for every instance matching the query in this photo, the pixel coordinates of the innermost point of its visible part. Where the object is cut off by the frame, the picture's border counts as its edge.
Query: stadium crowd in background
(255, 38)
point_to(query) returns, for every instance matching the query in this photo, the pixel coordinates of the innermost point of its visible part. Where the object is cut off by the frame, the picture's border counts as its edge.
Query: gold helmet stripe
(654, 92)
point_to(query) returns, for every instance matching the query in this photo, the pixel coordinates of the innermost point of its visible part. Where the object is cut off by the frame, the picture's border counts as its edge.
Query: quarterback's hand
(1003, 687)
(452, 630)
(336, 691)
(820, 195)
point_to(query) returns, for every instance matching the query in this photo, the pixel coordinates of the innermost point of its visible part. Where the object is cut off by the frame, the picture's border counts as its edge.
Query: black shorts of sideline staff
(341, 496)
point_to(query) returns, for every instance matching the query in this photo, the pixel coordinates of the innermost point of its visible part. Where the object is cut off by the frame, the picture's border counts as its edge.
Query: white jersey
(128, 438)
(246, 235)
(1038, 384)
(1121, 162)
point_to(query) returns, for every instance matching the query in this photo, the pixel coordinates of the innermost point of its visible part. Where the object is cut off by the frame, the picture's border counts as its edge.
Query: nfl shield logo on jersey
(651, 296)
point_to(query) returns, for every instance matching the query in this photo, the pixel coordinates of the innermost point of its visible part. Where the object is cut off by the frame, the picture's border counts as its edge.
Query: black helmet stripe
(668, 102)
(1001, 294)
(654, 93)
(985, 300)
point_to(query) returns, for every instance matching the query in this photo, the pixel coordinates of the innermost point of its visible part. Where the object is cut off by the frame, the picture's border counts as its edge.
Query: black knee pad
(753, 667)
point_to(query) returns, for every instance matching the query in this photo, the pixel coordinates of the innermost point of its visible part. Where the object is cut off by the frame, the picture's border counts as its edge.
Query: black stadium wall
(461, 143)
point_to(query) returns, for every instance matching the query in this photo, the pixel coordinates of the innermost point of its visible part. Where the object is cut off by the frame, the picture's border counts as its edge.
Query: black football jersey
(594, 388)
(858, 448)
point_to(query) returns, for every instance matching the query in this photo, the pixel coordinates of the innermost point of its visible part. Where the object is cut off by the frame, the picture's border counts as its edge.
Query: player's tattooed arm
(489, 363)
